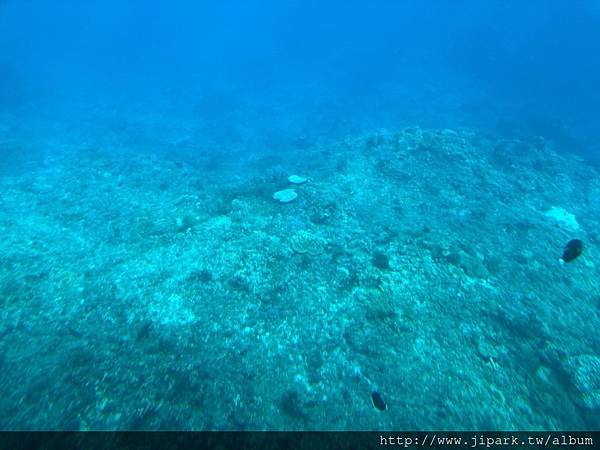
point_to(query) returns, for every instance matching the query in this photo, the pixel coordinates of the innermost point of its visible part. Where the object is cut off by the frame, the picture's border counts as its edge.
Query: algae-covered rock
(304, 242)
(585, 372)
(564, 218)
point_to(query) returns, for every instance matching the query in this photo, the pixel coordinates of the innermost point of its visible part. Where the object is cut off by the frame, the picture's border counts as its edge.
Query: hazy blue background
(515, 67)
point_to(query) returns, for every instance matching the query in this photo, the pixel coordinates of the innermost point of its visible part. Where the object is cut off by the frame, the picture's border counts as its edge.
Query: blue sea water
(151, 279)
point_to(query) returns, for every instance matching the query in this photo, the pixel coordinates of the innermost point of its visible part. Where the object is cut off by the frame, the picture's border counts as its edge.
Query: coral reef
(417, 264)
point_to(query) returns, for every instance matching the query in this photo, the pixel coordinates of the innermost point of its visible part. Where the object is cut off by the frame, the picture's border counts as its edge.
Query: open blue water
(150, 277)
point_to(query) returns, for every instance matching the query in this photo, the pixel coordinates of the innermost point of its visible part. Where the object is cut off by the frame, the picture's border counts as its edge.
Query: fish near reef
(572, 251)
(378, 401)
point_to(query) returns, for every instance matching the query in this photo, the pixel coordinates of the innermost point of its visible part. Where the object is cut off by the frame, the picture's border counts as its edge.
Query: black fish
(378, 401)
(572, 250)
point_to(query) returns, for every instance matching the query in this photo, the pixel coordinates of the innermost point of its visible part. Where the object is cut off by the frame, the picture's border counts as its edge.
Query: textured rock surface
(585, 372)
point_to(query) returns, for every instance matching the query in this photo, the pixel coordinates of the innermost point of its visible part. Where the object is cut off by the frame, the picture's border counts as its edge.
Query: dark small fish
(378, 401)
(572, 250)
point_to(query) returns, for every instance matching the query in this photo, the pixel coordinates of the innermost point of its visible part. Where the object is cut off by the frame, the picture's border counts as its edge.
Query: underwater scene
(299, 215)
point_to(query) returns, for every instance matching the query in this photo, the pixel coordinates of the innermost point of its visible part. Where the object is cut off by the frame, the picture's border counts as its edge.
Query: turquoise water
(151, 279)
